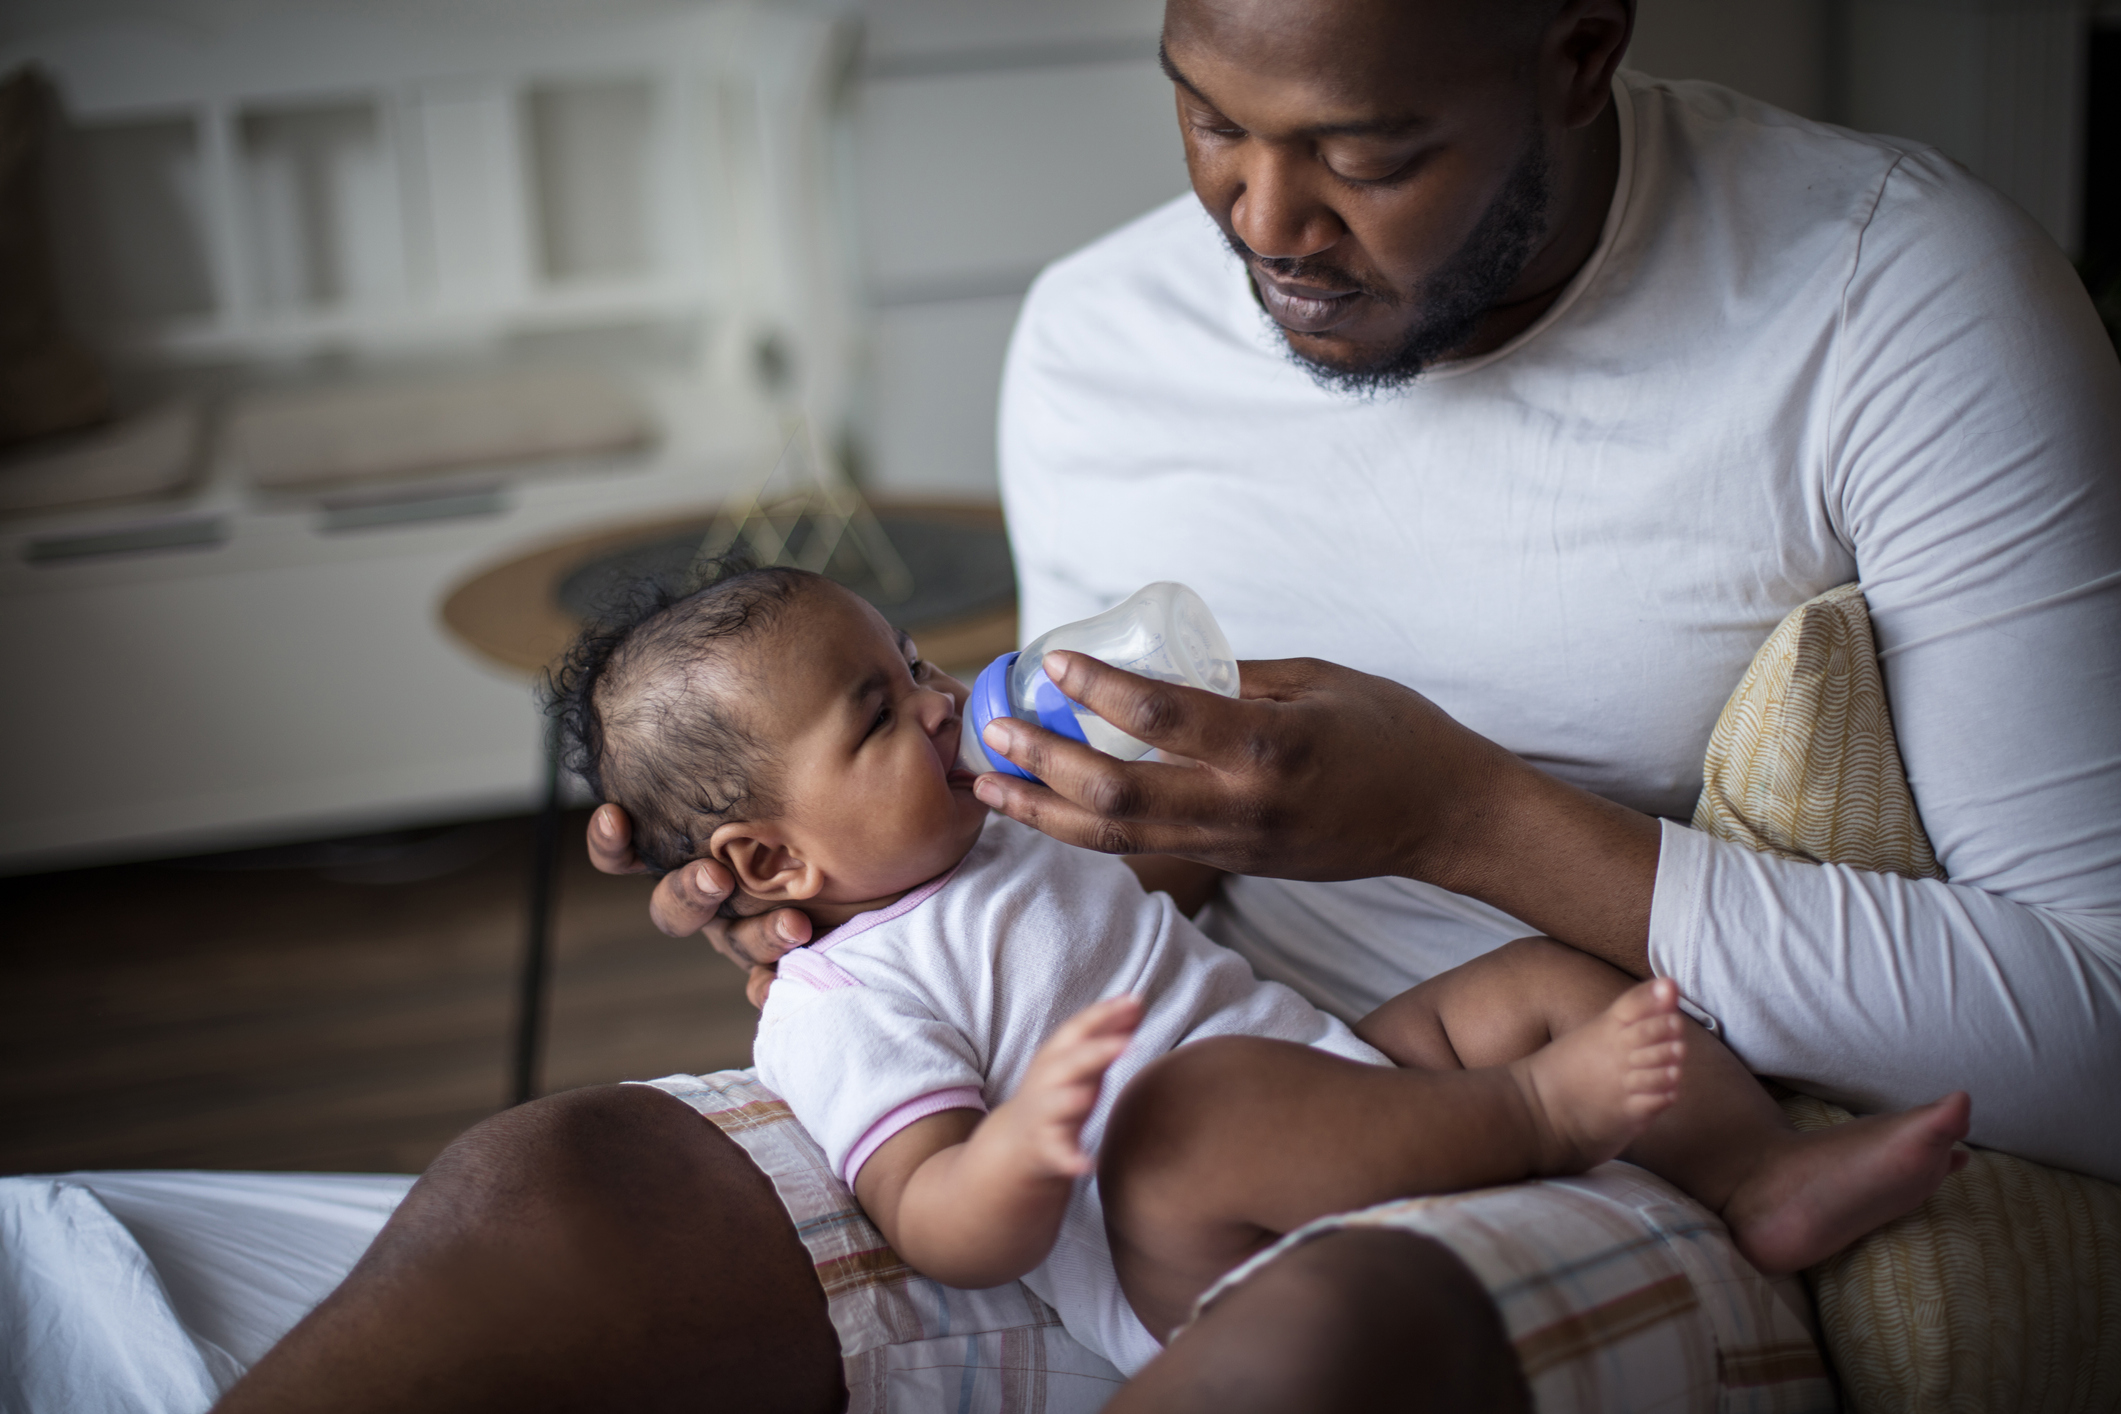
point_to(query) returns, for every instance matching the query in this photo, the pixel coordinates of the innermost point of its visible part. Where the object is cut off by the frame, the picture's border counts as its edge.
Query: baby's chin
(970, 818)
(940, 851)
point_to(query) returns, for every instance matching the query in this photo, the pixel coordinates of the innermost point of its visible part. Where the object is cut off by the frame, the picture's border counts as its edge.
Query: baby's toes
(1645, 1001)
(1652, 1080)
(1656, 1057)
(1654, 1029)
(1655, 1070)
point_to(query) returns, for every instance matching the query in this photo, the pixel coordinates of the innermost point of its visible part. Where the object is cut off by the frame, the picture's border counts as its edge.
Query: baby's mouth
(955, 775)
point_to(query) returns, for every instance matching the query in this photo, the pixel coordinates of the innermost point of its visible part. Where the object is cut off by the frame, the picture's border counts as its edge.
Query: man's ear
(764, 864)
(1591, 38)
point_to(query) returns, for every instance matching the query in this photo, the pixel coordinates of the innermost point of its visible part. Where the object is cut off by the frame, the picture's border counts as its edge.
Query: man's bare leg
(1354, 1322)
(1789, 1199)
(1218, 1148)
(600, 1249)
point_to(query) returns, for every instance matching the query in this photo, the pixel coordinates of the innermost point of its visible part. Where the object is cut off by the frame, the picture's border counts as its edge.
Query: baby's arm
(976, 1200)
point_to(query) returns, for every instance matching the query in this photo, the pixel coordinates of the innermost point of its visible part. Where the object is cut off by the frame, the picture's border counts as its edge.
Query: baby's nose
(937, 711)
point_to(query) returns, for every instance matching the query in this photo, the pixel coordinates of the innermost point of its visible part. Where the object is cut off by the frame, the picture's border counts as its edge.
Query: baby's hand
(1043, 1120)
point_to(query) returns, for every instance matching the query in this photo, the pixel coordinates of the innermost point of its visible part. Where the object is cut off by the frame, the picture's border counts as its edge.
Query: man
(1547, 395)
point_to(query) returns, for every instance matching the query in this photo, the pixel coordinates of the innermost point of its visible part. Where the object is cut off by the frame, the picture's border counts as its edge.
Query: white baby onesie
(939, 1002)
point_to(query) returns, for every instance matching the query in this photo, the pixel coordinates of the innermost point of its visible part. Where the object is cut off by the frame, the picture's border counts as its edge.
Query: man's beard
(1451, 302)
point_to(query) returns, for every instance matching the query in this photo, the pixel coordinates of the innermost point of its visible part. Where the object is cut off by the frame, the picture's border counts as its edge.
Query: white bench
(623, 221)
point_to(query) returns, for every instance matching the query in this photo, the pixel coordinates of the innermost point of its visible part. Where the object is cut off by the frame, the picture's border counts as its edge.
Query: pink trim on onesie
(810, 966)
(863, 922)
(961, 1097)
(822, 973)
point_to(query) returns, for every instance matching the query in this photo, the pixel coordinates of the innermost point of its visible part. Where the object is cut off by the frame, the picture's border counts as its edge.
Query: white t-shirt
(940, 1001)
(1798, 356)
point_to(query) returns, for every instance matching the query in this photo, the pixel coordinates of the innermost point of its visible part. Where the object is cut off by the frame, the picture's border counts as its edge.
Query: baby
(1025, 1066)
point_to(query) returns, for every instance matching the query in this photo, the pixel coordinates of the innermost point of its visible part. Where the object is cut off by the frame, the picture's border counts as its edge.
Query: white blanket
(150, 1293)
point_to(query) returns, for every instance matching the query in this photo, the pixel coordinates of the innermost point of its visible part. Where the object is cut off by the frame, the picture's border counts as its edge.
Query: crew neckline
(863, 922)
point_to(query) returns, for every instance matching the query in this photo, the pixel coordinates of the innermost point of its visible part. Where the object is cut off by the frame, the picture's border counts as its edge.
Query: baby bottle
(1162, 631)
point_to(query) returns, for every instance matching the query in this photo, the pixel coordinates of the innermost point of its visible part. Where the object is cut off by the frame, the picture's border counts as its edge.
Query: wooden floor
(216, 1014)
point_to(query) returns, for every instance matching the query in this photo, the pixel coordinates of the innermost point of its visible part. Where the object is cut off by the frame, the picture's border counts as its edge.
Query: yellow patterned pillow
(2003, 1291)
(1803, 762)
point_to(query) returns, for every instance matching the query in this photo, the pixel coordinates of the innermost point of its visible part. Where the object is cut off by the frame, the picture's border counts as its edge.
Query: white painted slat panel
(936, 377)
(970, 177)
(922, 31)
(472, 176)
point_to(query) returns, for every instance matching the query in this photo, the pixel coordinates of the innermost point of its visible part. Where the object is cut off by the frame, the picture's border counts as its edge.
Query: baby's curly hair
(645, 699)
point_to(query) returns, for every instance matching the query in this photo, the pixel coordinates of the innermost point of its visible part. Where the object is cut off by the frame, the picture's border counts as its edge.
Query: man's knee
(611, 1156)
(622, 1191)
(604, 1248)
(1359, 1319)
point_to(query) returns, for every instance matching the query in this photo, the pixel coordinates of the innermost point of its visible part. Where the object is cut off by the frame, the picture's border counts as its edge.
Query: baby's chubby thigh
(1200, 1156)
(1499, 1007)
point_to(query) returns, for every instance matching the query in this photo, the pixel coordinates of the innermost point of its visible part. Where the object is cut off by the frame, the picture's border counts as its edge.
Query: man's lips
(1303, 309)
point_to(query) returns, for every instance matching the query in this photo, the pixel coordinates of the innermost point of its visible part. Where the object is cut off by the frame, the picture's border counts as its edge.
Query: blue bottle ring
(990, 699)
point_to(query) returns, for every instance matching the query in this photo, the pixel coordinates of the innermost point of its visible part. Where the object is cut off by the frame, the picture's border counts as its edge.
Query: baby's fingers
(1114, 1016)
(1095, 1028)
(1086, 1043)
(1078, 1065)
(1061, 1155)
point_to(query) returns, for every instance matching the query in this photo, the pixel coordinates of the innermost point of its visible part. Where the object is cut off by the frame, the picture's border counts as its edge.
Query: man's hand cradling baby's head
(778, 746)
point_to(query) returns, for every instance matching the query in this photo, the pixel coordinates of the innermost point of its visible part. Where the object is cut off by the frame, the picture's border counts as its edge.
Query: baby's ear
(764, 865)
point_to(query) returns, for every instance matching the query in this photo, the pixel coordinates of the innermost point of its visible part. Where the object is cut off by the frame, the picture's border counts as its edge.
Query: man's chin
(1332, 352)
(1344, 365)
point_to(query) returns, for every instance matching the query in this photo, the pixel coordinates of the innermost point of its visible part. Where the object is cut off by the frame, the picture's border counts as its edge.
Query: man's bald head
(1403, 177)
(1357, 39)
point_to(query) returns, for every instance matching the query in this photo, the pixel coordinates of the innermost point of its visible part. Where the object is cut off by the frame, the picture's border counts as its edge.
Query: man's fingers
(1278, 679)
(1051, 810)
(1044, 754)
(762, 940)
(686, 900)
(689, 900)
(1187, 720)
(757, 985)
(611, 842)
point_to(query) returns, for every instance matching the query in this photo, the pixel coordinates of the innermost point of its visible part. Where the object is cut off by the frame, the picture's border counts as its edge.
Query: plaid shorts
(1619, 1292)
(908, 1343)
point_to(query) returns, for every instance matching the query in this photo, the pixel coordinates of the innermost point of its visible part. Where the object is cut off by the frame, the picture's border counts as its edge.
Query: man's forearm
(1571, 864)
(1879, 992)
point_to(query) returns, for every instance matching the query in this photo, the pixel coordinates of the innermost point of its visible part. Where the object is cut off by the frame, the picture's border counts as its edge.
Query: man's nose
(1277, 211)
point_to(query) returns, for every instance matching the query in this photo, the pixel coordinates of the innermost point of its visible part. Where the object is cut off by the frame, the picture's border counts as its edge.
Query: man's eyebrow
(1370, 127)
(1171, 72)
(1367, 127)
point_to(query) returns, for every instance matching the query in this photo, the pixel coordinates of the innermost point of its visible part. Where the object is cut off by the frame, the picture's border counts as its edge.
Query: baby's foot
(1821, 1191)
(1593, 1090)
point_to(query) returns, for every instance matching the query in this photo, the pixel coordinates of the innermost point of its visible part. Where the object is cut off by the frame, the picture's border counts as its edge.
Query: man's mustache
(1308, 270)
